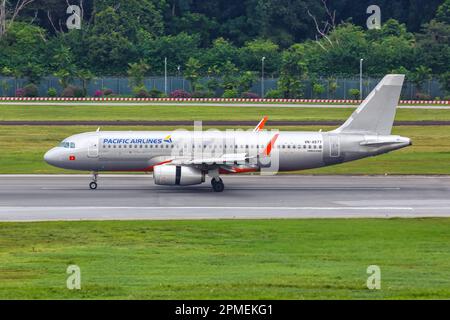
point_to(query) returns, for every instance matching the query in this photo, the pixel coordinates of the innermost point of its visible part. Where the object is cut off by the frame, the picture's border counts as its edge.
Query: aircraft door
(335, 148)
(93, 149)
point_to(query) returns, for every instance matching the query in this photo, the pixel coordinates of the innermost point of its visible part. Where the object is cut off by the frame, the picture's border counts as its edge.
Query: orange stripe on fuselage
(237, 170)
(269, 147)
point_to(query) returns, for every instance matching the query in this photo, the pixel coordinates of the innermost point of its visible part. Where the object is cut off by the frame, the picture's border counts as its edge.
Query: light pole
(165, 75)
(262, 76)
(360, 78)
(179, 75)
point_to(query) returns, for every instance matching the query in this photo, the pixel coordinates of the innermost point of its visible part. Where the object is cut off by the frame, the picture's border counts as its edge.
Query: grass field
(115, 112)
(276, 259)
(22, 149)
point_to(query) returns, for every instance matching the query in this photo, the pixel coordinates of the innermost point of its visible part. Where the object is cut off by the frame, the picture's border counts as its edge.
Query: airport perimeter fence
(339, 88)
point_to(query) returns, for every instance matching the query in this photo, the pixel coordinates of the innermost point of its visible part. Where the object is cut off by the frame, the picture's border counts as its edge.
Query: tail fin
(377, 112)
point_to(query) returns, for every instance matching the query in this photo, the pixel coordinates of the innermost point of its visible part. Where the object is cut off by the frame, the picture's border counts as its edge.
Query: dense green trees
(23, 52)
(226, 40)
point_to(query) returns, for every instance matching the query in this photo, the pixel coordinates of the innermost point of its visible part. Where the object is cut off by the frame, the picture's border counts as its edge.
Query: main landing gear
(217, 184)
(93, 184)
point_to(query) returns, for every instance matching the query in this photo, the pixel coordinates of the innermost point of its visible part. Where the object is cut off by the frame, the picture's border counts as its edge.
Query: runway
(122, 197)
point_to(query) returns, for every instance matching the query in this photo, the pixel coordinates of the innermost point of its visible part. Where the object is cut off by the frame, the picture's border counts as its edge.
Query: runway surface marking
(262, 188)
(130, 197)
(25, 208)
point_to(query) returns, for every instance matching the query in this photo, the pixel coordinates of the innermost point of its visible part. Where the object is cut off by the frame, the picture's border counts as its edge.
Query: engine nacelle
(177, 175)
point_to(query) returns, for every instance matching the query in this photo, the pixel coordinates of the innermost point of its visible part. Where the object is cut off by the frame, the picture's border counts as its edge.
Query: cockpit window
(67, 144)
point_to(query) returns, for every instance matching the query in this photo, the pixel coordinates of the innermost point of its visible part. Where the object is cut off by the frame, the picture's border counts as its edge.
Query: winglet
(261, 124)
(270, 145)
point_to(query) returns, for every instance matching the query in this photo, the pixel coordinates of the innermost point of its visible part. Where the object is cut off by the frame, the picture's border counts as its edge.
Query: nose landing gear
(217, 184)
(93, 184)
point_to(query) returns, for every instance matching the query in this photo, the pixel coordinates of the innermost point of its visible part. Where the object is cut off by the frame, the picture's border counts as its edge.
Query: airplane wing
(228, 162)
(224, 159)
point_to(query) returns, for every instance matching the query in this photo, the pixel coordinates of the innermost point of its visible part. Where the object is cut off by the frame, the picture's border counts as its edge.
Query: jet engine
(177, 175)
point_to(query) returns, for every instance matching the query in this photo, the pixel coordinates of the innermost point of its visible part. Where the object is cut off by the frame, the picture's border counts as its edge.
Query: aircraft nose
(48, 156)
(51, 157)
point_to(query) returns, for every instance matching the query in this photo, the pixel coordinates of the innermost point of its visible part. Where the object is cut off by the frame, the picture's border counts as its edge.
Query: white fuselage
(142, 150)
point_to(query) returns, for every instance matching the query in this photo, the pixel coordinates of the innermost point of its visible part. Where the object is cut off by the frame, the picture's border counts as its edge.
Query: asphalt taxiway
(120, 197)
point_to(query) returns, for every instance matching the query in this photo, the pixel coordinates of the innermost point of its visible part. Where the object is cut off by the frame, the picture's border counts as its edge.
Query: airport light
(179, 75)
(360, 78)
(165, 75)
(262, 76)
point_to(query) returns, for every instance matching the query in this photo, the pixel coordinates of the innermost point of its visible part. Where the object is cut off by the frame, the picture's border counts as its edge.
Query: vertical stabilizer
(377, 112)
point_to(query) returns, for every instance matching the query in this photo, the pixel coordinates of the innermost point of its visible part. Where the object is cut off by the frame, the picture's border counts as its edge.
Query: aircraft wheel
(217, 185)
(93, 185)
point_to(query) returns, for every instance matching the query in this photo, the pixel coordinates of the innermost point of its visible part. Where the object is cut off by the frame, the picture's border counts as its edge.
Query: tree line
(224, 40)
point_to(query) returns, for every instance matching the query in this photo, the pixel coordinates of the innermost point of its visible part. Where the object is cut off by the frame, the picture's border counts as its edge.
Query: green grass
(22, 149)
(162, 113)
(258, 259)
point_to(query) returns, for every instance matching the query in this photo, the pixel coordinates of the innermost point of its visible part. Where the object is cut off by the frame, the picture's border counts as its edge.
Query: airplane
(182, 157)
